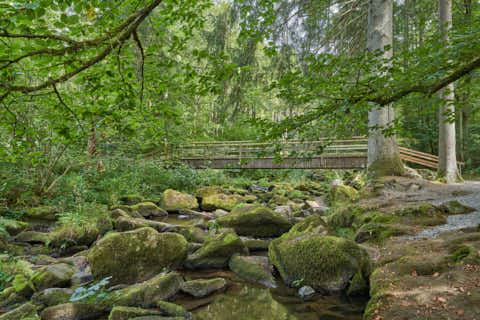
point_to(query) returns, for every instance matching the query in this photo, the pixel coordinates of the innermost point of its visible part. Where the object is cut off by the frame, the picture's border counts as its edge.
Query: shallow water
(248, 301)
(459, 221)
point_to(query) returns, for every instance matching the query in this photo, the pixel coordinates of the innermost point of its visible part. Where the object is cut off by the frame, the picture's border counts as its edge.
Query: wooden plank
(419, 161)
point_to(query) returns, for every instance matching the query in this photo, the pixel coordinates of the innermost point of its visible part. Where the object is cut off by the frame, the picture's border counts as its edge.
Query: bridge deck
(321, 154)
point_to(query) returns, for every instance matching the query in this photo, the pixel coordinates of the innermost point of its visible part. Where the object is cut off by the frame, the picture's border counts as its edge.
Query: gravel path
(461, 220)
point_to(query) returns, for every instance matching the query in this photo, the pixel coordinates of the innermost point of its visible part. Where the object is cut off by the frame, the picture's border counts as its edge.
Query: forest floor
(434, 273)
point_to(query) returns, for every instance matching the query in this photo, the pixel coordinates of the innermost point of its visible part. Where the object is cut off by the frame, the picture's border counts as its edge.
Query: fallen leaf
(414, 273)
(405, 303)
(460, 312)
(442, 300)
(436, 274)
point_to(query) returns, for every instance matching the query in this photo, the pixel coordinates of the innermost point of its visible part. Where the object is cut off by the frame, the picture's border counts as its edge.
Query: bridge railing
(249, 150)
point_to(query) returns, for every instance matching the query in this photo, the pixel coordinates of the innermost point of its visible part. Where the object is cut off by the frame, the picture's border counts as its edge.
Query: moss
(216, 252)
(377, 217)
(324, 262)
(255, 268)
(52, 276)
(146, 294)
(72, 235)
(131, 199)
(314, 224)
(387, 167)
(422, 264)
(454, 207)
(422, 214)
(256, 221)
(42, 212)
(358, 285)
(465, 254)
(378, 233)
(208, 191)
(172, 200)
(13, 227)
(202, 288)
(24, 312)
(296, 194)
(136, 255)
(22, 286)
(126, 313)
(342, 194)
(147, 209)
(221, 201)
(279, 200)
(172, 309)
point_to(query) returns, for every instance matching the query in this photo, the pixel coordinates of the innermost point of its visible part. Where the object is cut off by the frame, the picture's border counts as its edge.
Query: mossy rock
(256, 244)
(312, 225)
(422, 214)
(376, 217)
(454, 207)
(52, 296)
(42, 213)
(201, 288)
(296, 194)
(149, 209)
(342, 194)
(221, 201)
(358, 285)
(325, 263)
(32, 237)
(147, 293)
(378, 233)
(388, 166)
(22, 286)
(137, 255)
(172, 310)
(207, 191)
(26, 311)
(124, 210)
(464, 254)
(73, 235)
(216, 252)
(253, 268)
(279, 200)
(9, 297)
(73, 311)
(126, 313)
(53, 276)
(13, 227)
(192, 234)
(172, 200)
(256, 220)
(423, 265)
(131, 199)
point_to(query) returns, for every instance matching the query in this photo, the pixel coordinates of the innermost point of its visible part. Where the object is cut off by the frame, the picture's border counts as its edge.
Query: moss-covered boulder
(26, 311)
(146, 294)
(325, 263)
(172, 200)
(255, 244)
(202, 288)
(53, 276)
(32, 237)
(73, 311)
(221, 201)
(216, 252)
(13, 227)
(149, 209)
(124, 211)
(422, 214)
(129, 224)
(342, 193)
(207, 191)
(252, 268)
(256, 220)
(131, 199)
(52, 297)
(126, 313)
(137, 255)
(22, 286)
(42, 213)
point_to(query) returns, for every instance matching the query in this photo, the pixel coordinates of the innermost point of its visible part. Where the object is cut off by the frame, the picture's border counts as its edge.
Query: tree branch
(68, 108)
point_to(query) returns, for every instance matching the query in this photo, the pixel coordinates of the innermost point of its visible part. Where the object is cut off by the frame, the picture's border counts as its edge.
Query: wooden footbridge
(321, 154)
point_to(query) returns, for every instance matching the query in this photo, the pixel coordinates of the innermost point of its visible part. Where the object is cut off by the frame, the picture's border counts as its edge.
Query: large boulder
(204, 192)
(325, 263)
(149, 209)
(256, 220)
(53, 276)
(73, 235)
(32, 237)
(52, 296)
(221, 201)
(146, 294)
(172, 200)
(136, 255)
(126, 313)
(13, 227)
(216, 252)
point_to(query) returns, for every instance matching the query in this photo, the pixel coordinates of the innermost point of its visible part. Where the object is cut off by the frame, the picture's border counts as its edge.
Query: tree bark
(447, 162)
(383, 156)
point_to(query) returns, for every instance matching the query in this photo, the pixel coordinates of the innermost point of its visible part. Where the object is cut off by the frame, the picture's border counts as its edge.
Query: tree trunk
(383, 156)
(447, 162)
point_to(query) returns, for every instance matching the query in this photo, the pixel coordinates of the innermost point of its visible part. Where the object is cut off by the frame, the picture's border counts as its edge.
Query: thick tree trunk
(383, 156)
(447, 163)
